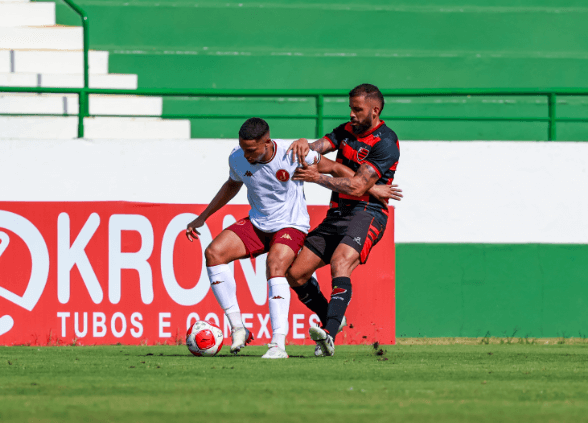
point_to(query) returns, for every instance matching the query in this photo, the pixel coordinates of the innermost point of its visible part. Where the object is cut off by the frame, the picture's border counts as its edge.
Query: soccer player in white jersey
(277, 224)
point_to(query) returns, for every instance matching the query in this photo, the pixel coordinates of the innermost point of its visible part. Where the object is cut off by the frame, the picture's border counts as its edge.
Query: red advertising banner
(90, 273)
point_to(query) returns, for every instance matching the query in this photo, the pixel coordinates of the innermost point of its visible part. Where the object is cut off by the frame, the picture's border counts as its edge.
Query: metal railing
(319, 96)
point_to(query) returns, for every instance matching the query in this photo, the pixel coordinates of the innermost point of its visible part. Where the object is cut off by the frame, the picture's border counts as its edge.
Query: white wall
(159, 171)
(491, 192)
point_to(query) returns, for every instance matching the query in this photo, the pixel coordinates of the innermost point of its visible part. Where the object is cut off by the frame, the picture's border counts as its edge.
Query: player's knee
(296, 278)
(341, 266)
(213, 255)
(275, 268)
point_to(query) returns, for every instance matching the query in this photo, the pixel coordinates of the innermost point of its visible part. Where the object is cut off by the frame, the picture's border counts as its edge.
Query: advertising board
(88, 273)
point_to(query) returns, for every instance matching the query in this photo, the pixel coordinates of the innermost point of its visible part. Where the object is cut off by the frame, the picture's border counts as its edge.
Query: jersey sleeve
(311, 157)
(383, 156)
(336, 136)
(232, 172)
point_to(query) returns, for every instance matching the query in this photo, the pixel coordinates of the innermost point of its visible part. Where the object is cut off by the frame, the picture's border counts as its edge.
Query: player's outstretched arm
(382, 193)
(301, 147)
(225, 194)
(357, 185)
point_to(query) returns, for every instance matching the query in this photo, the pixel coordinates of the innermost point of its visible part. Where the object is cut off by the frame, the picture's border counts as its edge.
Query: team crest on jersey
(362, 154)
(282, 175)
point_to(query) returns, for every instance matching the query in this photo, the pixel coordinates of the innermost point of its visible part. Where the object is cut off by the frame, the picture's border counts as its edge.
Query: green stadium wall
(476, 290)
(338, 44)
(491, 239)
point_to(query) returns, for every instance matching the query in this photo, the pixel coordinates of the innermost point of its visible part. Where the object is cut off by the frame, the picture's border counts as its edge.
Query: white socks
(279, 307)
(224, 288)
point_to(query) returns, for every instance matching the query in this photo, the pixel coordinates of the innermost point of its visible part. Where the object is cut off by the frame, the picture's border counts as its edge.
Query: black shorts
(360, 230)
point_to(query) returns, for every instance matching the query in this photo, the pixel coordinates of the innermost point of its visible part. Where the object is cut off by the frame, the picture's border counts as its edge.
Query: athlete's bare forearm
(342, 185)
(322, 146)
(328, 166)
(225, 194)
(356, 185)
(300, 148)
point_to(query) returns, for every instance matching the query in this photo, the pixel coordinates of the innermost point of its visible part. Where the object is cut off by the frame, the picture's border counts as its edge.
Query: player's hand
(383, 193)
(396, 193)
(191, 232)
(299, 149)
(306, 172)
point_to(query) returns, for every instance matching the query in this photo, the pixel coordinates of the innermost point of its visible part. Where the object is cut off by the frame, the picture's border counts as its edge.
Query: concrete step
(136, 128)
(50, 37)
(14, 103)
(52, 61)
(122, 81)
(26, 14)
(5, 61)
(30, 127)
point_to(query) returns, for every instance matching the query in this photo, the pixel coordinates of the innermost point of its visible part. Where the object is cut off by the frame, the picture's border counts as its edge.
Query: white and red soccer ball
(204, 339)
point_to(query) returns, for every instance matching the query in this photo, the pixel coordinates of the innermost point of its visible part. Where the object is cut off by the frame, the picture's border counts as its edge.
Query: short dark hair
(253, 129)
(369, 91)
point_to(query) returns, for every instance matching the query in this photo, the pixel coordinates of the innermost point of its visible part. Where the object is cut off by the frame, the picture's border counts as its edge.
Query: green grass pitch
(413, 381)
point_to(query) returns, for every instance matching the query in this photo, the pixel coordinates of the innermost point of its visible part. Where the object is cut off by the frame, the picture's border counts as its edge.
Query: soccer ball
(204, 339)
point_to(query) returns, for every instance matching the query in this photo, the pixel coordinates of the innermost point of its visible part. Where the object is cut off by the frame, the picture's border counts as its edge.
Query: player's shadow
(190, 356)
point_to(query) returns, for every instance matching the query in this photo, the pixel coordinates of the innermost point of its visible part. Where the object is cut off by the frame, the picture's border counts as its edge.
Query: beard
(360, 127)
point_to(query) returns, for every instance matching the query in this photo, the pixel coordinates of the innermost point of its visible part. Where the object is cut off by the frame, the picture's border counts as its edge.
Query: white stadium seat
(34, 52)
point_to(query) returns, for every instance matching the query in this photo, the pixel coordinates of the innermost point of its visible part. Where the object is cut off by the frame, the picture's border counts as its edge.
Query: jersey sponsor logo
(287, 236)
(337, 290)
(282, 175)
(362, 154)
(248, 173)
(357, 239)
(241, 222)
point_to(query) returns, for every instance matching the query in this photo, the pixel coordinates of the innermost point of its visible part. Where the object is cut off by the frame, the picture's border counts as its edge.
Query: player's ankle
(279, 339)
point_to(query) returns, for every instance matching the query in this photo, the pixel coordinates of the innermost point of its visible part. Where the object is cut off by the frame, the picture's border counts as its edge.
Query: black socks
(340, 298)
(310, 294)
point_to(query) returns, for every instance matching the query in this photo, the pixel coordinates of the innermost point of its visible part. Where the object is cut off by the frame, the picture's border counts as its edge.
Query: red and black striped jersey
(379, 149)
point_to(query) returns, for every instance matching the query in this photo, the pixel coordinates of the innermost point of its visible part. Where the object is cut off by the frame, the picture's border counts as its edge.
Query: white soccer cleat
(323, 340)
(275, 351)
(241, 337)
(317, 349)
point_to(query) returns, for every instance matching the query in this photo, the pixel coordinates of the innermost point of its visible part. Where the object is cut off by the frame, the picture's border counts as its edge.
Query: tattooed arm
(356, 185)
(382, 193)
(300, 148)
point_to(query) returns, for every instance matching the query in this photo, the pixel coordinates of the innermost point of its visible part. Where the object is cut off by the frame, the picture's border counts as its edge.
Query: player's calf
(311, 296)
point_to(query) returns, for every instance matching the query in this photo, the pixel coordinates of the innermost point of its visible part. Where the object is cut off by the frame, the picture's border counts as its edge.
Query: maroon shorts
(258, 242)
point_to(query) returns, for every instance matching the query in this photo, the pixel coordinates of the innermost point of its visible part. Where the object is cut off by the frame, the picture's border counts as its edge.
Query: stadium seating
(36, 52)
(334, 44)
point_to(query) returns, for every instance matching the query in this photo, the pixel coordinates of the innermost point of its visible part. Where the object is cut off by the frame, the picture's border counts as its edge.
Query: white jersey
(276, 200)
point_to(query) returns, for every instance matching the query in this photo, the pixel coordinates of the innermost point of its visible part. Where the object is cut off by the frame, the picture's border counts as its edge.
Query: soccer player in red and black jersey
(356, 220)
